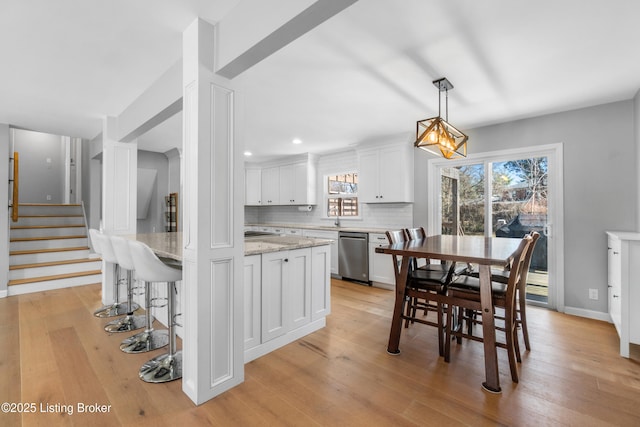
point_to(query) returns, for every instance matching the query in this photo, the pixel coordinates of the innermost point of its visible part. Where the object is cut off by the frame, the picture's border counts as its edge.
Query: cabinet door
(271, 186)
(298, 309)
(320, 282)
(287, 184)
(392, 182)
(301, 190)
(368, 177)
(274, 291)
(252, 301)
(380, 265)
(615, 282)
(331, 235)
(252, 187)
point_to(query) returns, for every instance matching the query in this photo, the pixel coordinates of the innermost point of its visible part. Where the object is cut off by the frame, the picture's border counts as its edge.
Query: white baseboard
(4, 294)
(274, 344)
(590, 314)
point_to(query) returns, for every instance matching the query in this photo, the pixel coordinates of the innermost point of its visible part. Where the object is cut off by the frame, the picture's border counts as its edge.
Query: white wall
(4, 213)
(42, 170)
(600, 184)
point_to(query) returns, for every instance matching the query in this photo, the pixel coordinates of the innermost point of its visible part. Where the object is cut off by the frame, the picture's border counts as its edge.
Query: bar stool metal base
(126, 324)
(162, 369)
(145, 341)
(113, 310)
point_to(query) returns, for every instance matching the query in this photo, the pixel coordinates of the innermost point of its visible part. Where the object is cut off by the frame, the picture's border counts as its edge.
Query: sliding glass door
(504, 194)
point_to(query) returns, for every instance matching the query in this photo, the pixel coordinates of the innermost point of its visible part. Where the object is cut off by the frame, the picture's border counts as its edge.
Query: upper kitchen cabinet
(386, 174)
(290, 181)
(253, 187)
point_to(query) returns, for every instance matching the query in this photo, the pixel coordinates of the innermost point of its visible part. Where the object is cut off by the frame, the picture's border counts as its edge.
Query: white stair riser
(25, 273)
(47, 257)
(54, 284)
(50, 220)
(48, 244)
(49, 210)
(47, 232)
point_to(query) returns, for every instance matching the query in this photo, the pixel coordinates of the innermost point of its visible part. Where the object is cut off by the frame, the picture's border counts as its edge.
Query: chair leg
(440, 328)
(510, 334)
(117, 308)
(150, 339)
(129, 322)
(448, 332)
(522, 305)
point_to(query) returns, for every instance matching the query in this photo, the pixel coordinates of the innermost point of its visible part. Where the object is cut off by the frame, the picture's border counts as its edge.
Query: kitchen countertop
(169, 245)
(324, 227)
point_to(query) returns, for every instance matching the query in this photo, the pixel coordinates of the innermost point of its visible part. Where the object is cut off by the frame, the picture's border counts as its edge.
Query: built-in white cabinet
(286, 182)
(329, 235)
(381, 271)
(253, 187)
(287, 295)
(385, 174)
(623, 252)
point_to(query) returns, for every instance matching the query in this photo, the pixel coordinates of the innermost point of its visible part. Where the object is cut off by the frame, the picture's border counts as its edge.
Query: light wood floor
(55, 351)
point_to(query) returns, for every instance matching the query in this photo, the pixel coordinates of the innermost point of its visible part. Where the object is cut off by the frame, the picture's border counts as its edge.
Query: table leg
(492, 382)
(396, 322)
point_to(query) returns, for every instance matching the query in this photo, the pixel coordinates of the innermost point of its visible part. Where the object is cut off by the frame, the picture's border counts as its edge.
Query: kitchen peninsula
(287, 287)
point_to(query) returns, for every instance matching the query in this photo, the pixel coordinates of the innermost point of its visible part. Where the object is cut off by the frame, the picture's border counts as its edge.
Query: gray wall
(155, 217)
(600, 184)
(4, 213)
(39, 178)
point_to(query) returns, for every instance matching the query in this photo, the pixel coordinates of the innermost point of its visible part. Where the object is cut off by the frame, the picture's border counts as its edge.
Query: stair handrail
(14, 202)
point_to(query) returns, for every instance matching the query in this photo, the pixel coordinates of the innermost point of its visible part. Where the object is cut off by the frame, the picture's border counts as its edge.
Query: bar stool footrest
(126, 324)
(145, 341)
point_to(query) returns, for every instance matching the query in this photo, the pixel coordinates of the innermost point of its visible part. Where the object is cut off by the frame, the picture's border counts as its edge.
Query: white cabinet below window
(623, 253)
(381, 271)
(386, 174)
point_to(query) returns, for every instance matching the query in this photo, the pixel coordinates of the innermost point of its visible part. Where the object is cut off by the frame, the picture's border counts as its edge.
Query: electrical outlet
(593, 294)
(48, 196)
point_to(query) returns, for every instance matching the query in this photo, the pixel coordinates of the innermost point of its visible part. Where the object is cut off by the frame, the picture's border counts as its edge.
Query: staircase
(49, 249)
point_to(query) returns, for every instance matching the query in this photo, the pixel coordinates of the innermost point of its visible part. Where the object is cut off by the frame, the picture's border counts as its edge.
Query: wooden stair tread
(37, 251)
(52, 263)
(36, 239)
(54, 277)
(37, 227)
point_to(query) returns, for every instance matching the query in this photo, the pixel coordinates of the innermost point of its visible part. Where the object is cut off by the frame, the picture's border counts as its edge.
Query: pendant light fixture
(436, 135)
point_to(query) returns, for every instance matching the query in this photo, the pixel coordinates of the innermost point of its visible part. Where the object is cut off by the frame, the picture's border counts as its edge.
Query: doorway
(506, 194)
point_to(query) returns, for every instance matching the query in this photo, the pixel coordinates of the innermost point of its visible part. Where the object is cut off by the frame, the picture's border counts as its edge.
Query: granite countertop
(263, 244)
(323, 227)
(169, 245)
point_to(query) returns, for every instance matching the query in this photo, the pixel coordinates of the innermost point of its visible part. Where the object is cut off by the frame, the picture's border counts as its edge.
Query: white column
(119, 188)
(213, 222)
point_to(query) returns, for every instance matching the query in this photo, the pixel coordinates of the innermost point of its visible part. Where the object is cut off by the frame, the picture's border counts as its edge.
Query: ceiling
(361, 76)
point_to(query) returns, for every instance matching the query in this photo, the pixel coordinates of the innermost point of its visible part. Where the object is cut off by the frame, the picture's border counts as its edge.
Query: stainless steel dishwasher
(353, 256)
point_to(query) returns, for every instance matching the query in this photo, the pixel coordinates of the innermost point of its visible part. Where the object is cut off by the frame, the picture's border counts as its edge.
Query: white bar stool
(168, 366)
(117, 308)
(129, 322)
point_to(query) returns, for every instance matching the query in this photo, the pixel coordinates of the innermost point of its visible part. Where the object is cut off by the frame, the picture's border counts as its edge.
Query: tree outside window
(342, 195)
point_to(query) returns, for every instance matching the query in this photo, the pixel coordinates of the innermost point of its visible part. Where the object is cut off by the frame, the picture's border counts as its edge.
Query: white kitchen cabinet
(252, 301)
(297, 184)
(286, 291)
(329, 235)
(623, 252)
(270, 188)
(381, 271)
(293, 231)
(385, 174)
(252, 187)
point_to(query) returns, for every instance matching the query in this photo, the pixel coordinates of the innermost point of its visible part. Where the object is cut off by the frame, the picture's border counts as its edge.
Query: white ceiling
(363, 75)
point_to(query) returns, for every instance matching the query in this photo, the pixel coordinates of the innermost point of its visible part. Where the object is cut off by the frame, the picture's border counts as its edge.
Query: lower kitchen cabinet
(287, 296)
(329, 235)
(381, 271)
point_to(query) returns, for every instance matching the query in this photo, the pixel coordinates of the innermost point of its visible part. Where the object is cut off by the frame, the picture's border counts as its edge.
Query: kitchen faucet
(337, 222)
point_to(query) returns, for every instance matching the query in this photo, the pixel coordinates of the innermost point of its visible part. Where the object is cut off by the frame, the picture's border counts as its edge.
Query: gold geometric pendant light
(436, 135)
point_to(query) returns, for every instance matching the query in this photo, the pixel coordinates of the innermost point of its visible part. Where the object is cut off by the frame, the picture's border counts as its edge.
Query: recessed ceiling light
(297, 141)
(248, 153)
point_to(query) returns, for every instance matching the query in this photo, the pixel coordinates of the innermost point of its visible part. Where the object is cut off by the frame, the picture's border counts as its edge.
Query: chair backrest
(107, 254)
(416, 233)
(148, 267)
(517, 269)
(527, 261)
(94, 241)
(122, 252)
(396, 236)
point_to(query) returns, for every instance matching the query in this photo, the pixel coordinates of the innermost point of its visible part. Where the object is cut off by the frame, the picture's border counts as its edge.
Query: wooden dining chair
(502, 276)
(424, 289)
(464, 294)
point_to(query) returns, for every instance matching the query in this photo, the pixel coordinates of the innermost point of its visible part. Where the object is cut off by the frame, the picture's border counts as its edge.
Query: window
(342, 195)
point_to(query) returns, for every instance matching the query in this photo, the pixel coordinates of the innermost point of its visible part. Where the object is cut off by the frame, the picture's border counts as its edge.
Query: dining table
(484, 251)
